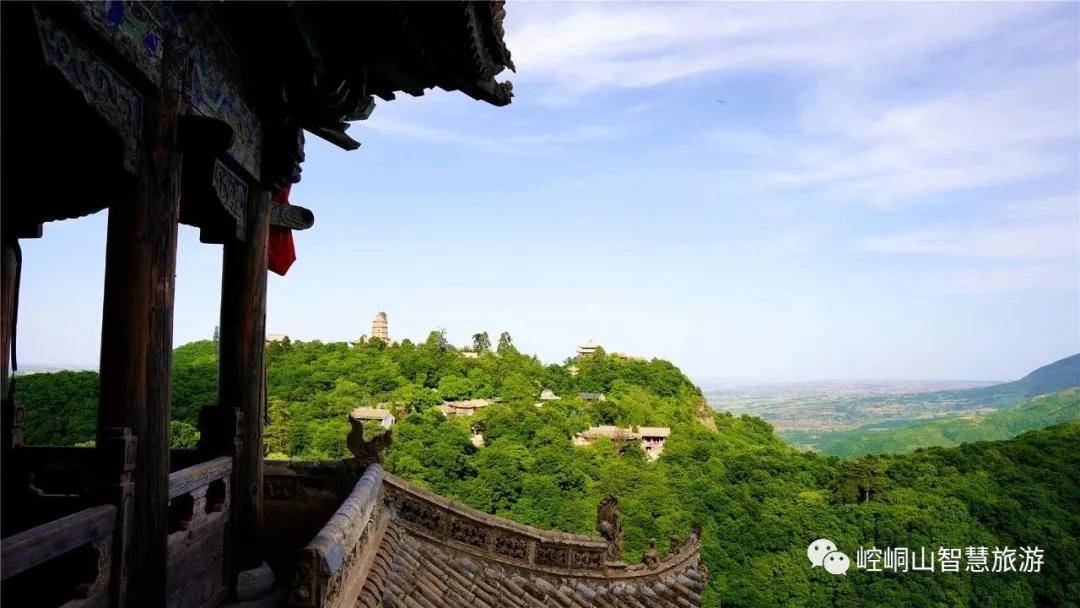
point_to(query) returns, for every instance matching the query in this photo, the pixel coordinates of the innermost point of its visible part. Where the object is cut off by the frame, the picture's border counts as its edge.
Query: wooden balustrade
(66, 561)
(198, 518)
(42, 484)
(54, 470)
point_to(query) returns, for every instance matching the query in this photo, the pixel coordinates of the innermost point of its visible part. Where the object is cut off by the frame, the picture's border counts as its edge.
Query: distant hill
(1034, 413)
(903, 422)
(1057, 376)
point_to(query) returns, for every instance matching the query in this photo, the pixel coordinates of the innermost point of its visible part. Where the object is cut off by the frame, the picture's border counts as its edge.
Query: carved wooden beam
(291, 216)
(336, 137)
(118, 102)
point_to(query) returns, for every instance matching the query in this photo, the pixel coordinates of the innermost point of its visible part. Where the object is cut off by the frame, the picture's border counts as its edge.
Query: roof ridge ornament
(609, 524)
(366, 451)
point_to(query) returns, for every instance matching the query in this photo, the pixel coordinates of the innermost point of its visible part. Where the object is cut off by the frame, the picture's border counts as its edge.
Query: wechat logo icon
(822, 552)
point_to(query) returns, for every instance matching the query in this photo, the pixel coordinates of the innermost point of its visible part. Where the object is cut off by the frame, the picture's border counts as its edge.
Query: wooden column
(136, 353)
(242, 372)
(9, 272)
(9, 269)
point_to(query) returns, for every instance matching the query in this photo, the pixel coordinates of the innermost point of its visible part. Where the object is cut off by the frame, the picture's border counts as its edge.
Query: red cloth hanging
(281, 252)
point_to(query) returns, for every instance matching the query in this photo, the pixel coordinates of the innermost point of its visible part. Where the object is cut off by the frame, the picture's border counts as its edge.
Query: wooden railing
(198, 514)
(43, 484)
(331, 569)
(66, 561)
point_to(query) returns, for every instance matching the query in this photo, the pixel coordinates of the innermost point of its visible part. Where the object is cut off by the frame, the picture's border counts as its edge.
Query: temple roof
(449, 407)
(414, 570)
(334, 56)
(251, 75)
(654, 431)
(370, 413)
(394, 544)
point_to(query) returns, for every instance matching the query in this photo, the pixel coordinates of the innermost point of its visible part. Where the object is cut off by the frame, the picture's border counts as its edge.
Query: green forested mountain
(1057, 376)
(946, 418)
(759, 500)
(62, 407)
(1034, 413)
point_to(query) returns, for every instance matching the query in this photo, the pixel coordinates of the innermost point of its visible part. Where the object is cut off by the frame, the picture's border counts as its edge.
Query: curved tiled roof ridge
(430, 575)
(474, 529)
(403, 485)
(392, 543)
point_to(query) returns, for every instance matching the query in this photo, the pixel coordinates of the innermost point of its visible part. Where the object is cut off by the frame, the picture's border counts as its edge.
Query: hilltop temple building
(587, 349)
(169, 113)
(380, 328)
(466, 407)
(651, 437)
(383, 416)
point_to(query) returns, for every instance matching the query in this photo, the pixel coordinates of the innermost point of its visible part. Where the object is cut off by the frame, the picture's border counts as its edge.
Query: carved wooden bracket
(291, 216)
(215, 194)
(111, 96)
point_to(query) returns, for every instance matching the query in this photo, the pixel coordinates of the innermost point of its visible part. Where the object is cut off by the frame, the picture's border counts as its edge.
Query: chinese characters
(976, 560)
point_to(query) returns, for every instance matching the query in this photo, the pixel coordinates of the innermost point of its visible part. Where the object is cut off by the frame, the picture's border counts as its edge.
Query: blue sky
(755, 192)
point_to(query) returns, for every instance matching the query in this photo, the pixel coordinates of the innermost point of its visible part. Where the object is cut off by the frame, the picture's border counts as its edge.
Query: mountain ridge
(1037, 412)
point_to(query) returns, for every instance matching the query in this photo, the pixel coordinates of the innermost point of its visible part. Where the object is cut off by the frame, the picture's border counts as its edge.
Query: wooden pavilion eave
(311, 66)
(167, 113)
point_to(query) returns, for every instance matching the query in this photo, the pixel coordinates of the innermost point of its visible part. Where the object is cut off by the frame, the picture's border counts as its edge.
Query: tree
(415, 397)
(182, 435)
(505, 342)
(481, 342)
(436, 340)
(276, 436)
(454, 387)
(861, 480)
(517, 388)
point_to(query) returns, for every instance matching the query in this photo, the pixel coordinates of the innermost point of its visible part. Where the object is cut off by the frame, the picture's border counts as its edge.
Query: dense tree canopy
(759, 500)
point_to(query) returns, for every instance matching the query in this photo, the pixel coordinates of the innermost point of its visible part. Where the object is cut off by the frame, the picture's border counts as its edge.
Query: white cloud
(580, 48)
(509, 142)
(1042, 241)
(1060, 208)
(862, 146)
(902, 103)
(1038, 229)
(893, 110)
(896, 112)
(1025, 246)
(1002, 280)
